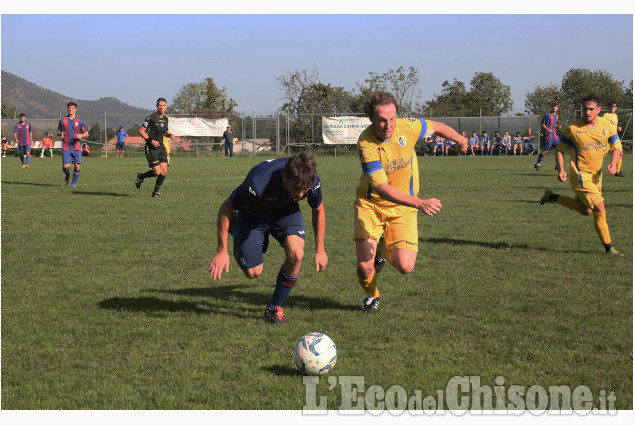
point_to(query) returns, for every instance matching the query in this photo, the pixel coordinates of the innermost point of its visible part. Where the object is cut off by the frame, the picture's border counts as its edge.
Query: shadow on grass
(282, 370)
(149, 304)
(99, 193)
(31, 184)
(497, 245)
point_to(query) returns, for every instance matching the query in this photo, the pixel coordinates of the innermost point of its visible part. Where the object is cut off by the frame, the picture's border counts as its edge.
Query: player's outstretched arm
(220, 261)
(318, 220)
(614, 159)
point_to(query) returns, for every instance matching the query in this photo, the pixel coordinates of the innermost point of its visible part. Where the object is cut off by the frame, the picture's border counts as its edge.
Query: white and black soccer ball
(315, 354)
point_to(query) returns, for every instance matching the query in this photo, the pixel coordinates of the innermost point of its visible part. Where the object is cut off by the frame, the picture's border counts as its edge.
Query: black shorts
(120, 145)
(156, 155)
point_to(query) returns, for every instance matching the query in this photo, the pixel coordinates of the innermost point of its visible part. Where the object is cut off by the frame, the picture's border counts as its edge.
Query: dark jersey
(262, 195)
(156, 127)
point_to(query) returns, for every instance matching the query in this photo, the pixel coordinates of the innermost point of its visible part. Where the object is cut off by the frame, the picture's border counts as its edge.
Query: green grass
(107, 301)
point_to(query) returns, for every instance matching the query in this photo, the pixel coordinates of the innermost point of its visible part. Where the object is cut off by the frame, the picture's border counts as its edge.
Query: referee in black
(152, 130)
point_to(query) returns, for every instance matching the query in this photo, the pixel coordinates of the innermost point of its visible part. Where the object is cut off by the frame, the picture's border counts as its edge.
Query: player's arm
(143, 133)
(562, 174)
(220, 261)
(428, 206)
(318, 220)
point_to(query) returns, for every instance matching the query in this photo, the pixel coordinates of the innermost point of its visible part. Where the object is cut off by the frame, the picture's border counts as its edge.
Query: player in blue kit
(484, 143)
(71, 129)
(24, 139)
(549, 126)
(473, 142)
(267, 204)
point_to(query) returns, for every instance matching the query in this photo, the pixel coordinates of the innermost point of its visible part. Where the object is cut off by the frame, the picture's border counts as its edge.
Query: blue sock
(284, 284)
(75, 176)
(28, 159)
(67, 174)
(540, 158)
(22, 159)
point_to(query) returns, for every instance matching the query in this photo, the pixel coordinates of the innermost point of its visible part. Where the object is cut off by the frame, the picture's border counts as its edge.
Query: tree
(539, 101)
(203, 98)
(452, 102)
(401, 84)
(8, 112)
(489, 96)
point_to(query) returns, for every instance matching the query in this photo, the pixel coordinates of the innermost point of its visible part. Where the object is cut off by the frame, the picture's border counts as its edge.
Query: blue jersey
(71, 127)
(262, 195)
(474, 140)
(485, 140)
(121, 135)
(550, 120)
(23, 132)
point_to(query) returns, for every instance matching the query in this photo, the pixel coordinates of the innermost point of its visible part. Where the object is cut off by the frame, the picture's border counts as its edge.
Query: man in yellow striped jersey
(612, 117)
(588, 140)
(387, 203)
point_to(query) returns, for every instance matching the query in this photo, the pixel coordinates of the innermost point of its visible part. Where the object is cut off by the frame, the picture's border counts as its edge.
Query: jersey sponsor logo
(318, 186)
(402, 141)
(300, 232)
(603, 132)
(252, 191)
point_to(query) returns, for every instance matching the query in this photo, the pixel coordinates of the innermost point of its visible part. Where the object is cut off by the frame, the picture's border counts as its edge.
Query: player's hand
(321, 260)
(430, 206)
(220, 262)
(612, 168)
(154, 143)
(562, 176)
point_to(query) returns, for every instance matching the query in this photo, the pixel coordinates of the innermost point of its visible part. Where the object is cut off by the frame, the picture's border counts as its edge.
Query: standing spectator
(5, 146)
(152, 130)
(47, 143)
(549, 126)
(612, 117)
(528, 140)
(228, 135)
(120, 141)
(587, 139)
(23, 138)
(71, 129)
(518, 143)
(267, 203)
(484, 143)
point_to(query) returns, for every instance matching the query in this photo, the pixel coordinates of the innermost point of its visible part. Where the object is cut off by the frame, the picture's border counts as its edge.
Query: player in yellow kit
(387, 203)
(588, 140)
(612, 117)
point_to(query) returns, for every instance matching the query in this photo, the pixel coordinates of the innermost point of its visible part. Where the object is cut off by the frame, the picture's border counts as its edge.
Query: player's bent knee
(253, 272)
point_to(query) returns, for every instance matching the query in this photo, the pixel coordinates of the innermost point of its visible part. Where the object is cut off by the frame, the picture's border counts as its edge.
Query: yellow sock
(602, 229)
(370, 285)
(619, 165)
(568, 202)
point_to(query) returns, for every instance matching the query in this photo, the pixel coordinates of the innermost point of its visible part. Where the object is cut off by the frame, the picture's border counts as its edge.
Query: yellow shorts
(398, 225)
(166, 143)
(588, 188)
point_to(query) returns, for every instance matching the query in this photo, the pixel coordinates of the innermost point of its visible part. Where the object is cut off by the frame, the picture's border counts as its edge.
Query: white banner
(197, 126)
(343, 130)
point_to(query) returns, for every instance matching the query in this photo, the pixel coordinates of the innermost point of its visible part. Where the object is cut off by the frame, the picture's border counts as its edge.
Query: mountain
(38, 102)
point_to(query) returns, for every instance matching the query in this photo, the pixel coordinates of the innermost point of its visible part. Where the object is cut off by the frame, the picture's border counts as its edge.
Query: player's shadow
(30, 184)
(149, 305)
(282, 370)
(81, 192)
(496, 245)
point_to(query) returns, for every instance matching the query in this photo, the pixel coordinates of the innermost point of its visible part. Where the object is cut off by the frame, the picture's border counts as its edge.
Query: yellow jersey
(393, 161)
(587, 146)
(612, 119)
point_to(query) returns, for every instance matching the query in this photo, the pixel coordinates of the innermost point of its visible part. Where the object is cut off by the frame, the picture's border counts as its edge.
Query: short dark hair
(301, 168)
(591, 98)
(554, 104)
(612, 102)
(71, 104)
(22, 115)
(379, 98)
(161, 99)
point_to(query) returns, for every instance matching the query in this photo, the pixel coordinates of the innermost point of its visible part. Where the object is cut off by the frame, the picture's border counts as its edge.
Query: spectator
(528, 140)
(506, 142)
(120, 141)
(473, 142)
(228, 135)
(518, 142)
(85, 149)
(5, 146)
(47, 143)
(438, 144)
(484, 143)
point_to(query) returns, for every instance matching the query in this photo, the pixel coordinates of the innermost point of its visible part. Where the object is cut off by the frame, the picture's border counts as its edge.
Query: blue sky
(138, 58)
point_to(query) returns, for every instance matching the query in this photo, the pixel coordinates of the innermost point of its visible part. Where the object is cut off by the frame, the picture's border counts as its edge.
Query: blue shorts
(547, 145)
(71, 155)
(251, 234)
(24, 149)
(439, 144)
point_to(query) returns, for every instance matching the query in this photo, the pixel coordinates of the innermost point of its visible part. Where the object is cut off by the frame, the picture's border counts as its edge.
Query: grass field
(107, 302)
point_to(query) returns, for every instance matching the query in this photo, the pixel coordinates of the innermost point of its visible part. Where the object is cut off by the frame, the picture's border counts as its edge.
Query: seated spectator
(47, 143)
(518, 143)
(438, 143)
(85, 149)
(5, 146)
(506, 143)
(473, 142)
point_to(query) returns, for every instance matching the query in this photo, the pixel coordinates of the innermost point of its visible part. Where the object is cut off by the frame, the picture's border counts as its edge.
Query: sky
(137, 58)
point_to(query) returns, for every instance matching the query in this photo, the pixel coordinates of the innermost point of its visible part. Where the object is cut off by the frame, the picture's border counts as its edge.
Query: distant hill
(38, 102)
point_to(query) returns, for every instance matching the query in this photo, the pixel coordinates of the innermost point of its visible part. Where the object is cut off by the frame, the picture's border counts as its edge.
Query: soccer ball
(315, 354)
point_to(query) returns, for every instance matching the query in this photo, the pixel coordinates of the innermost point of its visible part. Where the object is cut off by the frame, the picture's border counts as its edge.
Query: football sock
(540, 158)
(619, 165)
(284, 283)
(28, 159)
(75, 176)
(147, 174)
(159, 182)
(568, 202)
(602, 229)
(22, 159)
(67, 174)
(369, 285)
